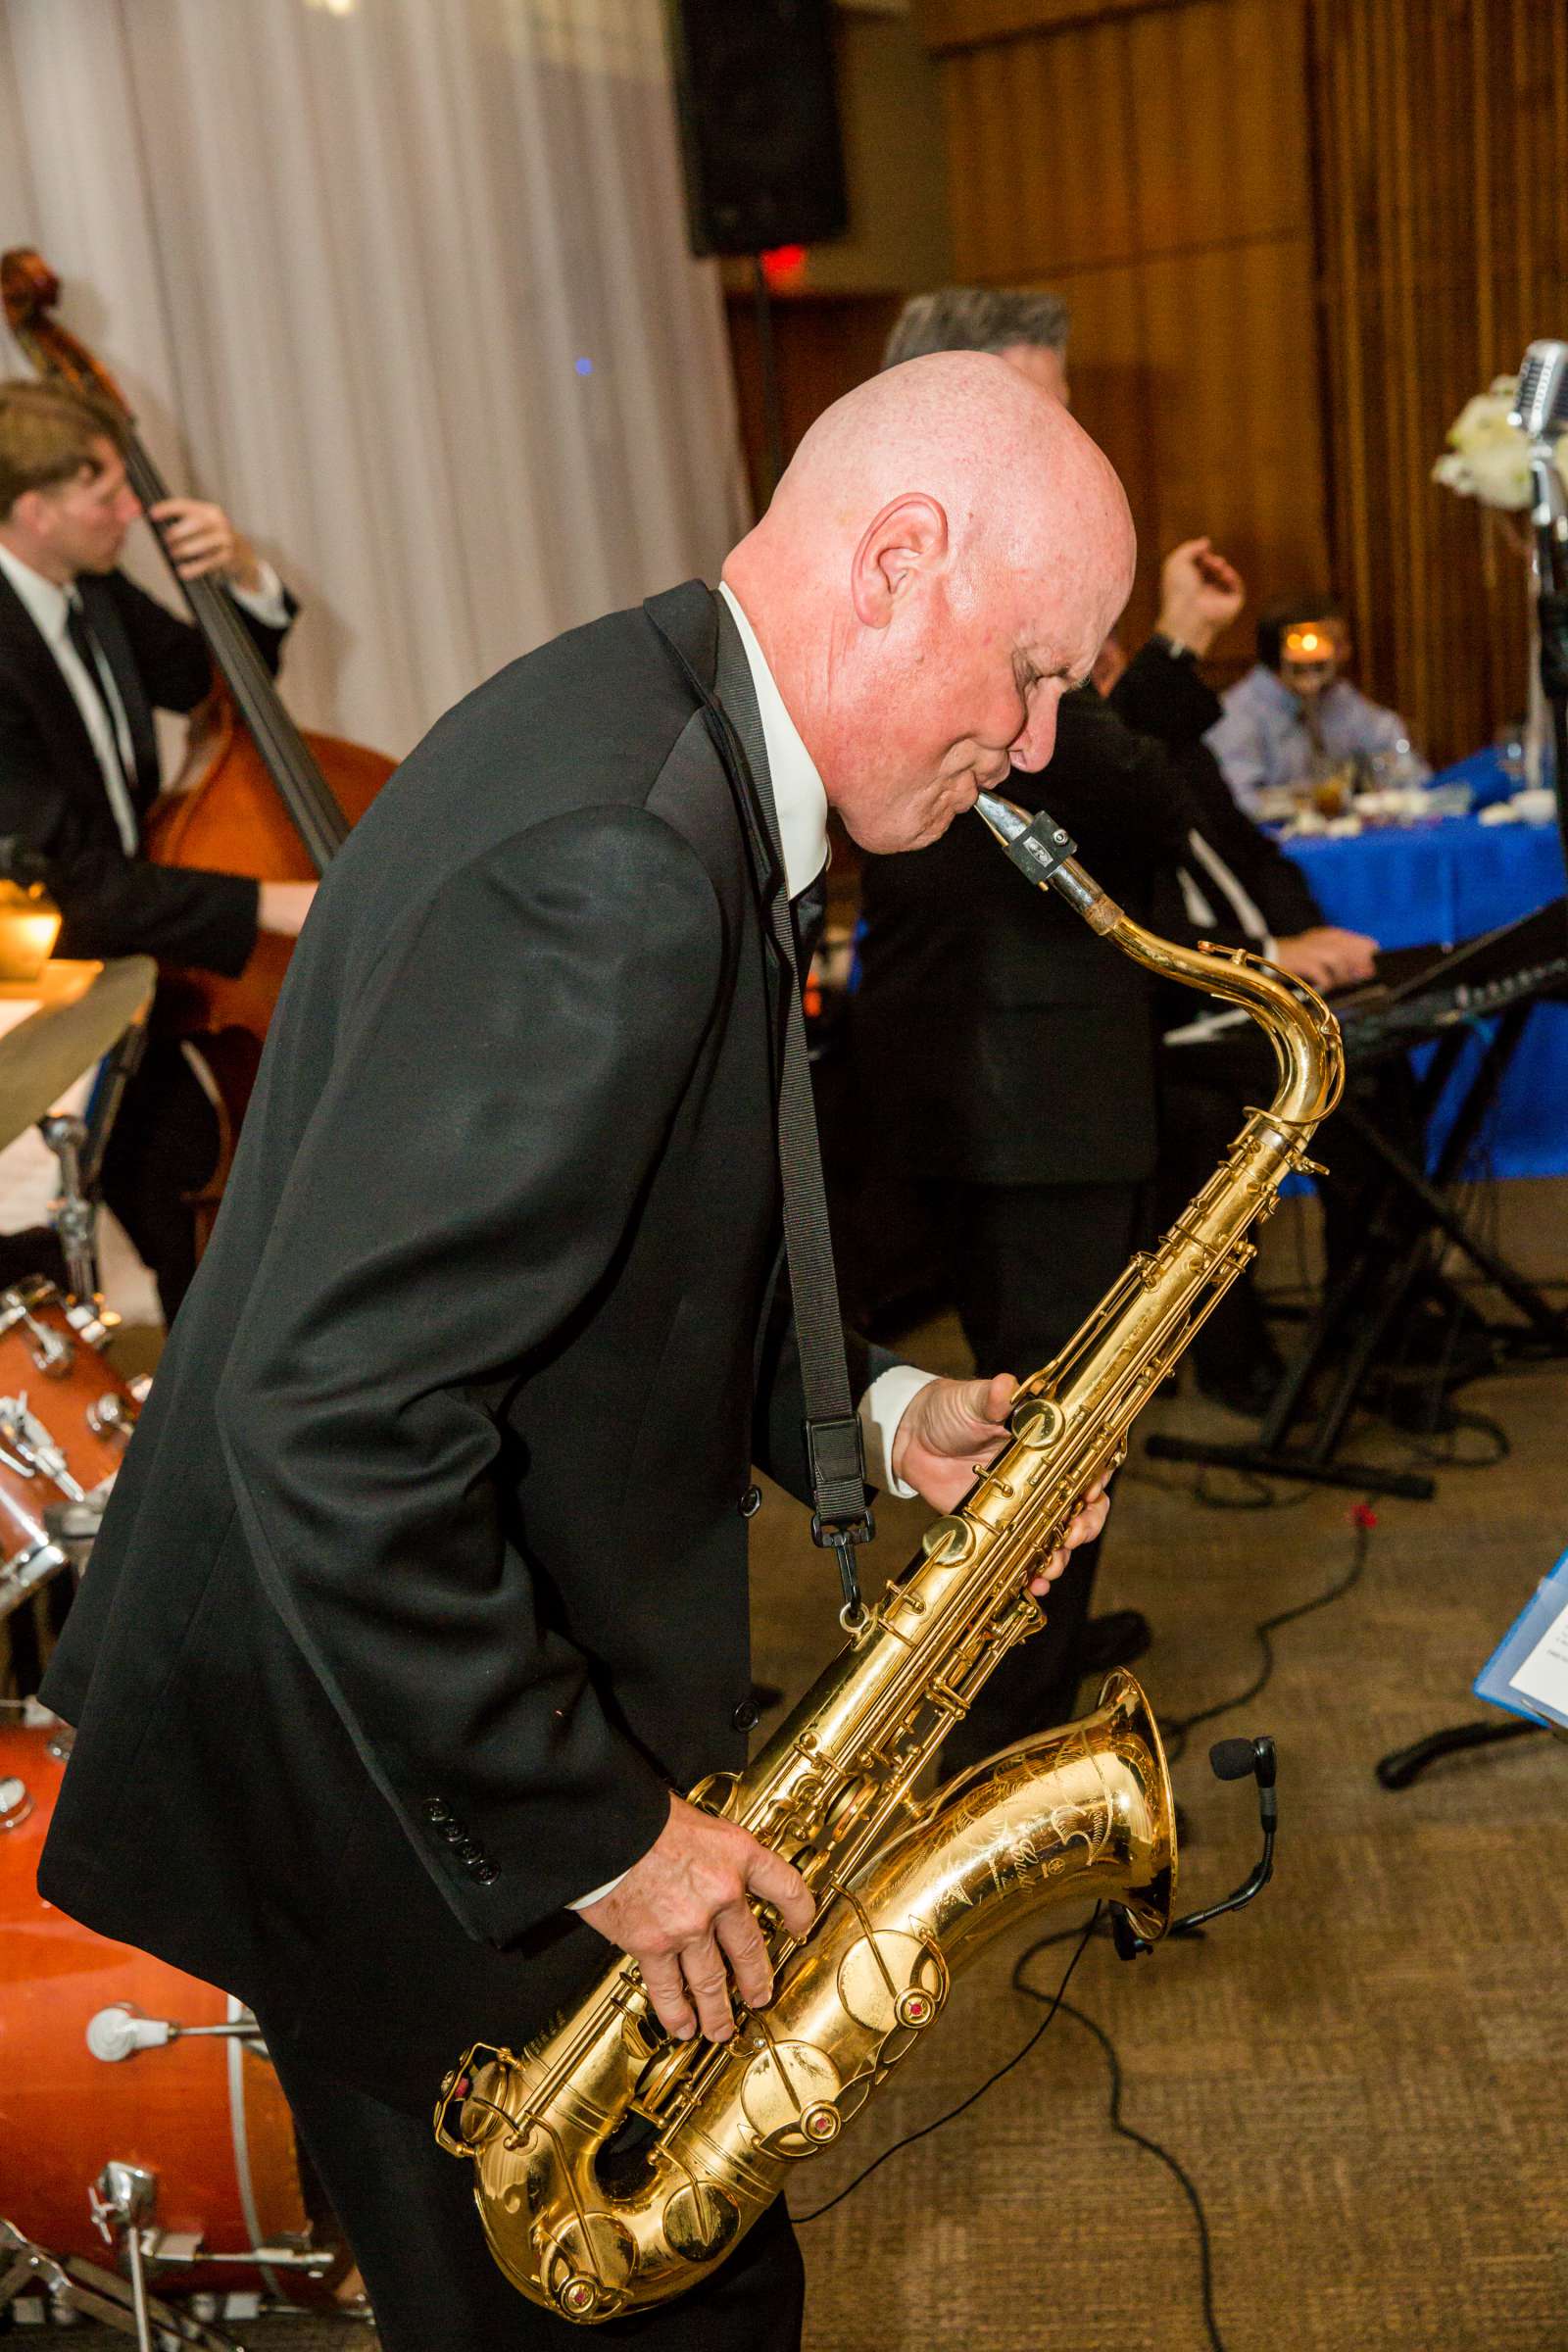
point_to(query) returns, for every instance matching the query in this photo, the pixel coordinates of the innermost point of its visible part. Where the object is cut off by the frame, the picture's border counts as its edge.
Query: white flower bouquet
(1488, 457)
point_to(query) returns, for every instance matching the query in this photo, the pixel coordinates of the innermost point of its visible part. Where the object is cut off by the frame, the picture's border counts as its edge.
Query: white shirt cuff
(882, 1409)
(267, 604)
(599, 1894)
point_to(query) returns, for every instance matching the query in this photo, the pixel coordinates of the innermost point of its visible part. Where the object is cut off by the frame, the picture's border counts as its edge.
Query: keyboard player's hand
(1327, 958)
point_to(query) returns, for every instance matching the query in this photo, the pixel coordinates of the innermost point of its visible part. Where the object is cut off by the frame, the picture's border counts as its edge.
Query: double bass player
(85, 659)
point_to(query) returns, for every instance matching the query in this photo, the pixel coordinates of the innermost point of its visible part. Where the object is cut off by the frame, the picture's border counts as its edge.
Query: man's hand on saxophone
(683, 1914)
(950, 1425)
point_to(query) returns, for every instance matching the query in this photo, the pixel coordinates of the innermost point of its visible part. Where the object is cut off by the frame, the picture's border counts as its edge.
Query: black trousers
(1026, 1264)
(408, 2211)
(161, 1147)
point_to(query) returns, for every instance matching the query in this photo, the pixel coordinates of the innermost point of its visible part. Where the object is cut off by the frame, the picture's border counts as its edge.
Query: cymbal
(83, 1010)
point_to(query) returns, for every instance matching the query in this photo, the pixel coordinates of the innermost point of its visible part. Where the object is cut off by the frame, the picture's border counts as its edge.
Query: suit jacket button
(747, 1715)
(452, 1832)
(486, 1873)
(751, 1502)
(436, 1811)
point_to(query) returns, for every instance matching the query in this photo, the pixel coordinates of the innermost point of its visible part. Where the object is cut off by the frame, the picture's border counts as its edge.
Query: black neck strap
(841, 1515)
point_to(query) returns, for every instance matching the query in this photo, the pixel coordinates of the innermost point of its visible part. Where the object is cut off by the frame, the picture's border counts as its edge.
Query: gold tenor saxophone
(613, 2167)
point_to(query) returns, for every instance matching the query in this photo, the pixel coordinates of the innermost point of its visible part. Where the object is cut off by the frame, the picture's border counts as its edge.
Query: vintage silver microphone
(1540, 403)
(1541, 410)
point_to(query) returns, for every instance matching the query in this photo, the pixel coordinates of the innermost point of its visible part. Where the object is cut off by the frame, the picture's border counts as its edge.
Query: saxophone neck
(1298, 1025)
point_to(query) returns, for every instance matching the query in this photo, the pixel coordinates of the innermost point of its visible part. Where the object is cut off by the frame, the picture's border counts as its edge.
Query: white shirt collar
(798, 789)
(45, 601)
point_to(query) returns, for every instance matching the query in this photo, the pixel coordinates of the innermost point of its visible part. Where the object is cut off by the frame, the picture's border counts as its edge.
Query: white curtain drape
(403, 284)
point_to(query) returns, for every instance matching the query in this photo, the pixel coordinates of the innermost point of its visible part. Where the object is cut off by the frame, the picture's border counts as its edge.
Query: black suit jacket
(52, 789)
(425, 1576)
(996, 1039)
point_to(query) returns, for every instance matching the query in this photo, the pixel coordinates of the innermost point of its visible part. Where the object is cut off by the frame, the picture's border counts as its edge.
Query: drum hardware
(122, 2204)
(73, 1215)
(54, 1353)
(119, 2032)
(23, 1574)
(109, 1418)
(58, 1464)
(87, 1318)
(41, 2288)
(74, 1527)
(27, 1446)
(120, 2200)
(16, 1803)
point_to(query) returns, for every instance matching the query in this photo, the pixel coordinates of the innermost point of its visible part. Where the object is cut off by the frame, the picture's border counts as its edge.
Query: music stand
(1403, 1765)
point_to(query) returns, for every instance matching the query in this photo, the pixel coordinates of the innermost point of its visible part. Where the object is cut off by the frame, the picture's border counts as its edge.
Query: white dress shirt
(801, 804)
(49, 606)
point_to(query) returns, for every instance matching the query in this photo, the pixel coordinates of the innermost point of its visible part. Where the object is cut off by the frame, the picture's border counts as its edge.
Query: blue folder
(1495, 1681)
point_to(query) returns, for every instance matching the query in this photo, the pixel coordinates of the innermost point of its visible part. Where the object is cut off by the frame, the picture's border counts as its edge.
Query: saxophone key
(948, 1540)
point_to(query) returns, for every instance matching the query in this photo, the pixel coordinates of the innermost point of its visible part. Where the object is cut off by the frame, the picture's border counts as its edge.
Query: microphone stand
(1549, 518)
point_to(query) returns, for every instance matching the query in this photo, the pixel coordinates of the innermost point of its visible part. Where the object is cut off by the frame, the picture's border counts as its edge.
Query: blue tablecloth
(1446, 882)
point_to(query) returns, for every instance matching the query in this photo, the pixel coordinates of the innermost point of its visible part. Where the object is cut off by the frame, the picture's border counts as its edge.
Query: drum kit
(138, 2111)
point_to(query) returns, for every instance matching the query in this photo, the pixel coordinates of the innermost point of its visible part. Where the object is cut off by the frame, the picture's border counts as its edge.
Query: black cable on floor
(1175, 1732)
(926, 2130)
(1141, 2139)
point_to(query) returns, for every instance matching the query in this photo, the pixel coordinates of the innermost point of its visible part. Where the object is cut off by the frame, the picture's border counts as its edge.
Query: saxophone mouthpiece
(1042, 850)
(1005, 818)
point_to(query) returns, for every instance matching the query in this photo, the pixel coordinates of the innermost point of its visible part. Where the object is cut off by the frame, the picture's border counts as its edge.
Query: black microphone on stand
(1541, 410)
(1231, 1760)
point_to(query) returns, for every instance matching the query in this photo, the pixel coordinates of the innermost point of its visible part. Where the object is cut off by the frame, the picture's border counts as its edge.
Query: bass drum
(87, 2078)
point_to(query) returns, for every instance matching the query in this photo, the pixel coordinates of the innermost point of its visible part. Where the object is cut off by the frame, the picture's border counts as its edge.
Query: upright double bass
(253, 796)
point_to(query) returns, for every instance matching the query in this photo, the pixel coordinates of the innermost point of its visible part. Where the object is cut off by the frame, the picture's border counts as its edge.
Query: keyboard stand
(1410, 1221)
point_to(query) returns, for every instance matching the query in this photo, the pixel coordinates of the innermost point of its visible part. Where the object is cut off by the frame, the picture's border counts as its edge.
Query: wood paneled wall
(1152, 166)
(1295, 235)
(1442, 138)
(823, 345)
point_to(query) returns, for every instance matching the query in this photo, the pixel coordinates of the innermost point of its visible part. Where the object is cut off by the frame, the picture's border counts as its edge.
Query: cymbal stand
(73, 1215)
(78, 1145)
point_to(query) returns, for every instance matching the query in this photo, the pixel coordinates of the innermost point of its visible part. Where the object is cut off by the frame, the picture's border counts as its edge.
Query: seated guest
(1235, 887)
(1295, 717)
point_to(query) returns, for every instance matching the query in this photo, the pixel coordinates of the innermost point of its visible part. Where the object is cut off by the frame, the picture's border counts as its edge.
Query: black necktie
(90, 655)
(842, 1514)
(809, 910)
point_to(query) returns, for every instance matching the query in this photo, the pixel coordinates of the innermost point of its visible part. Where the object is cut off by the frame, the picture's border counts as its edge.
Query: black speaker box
(759, 123)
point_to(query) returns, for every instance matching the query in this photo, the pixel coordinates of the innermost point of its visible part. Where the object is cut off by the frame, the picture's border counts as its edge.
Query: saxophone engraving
(613, 2167)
